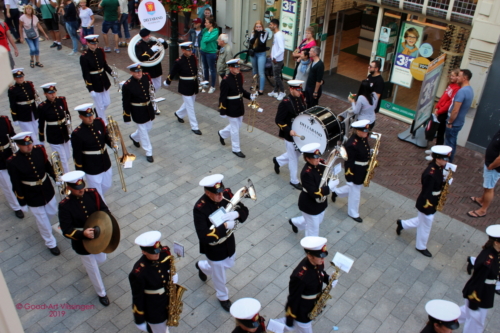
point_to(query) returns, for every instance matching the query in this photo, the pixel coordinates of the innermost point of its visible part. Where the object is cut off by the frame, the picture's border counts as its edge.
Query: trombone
(254, 105)
(116, 139)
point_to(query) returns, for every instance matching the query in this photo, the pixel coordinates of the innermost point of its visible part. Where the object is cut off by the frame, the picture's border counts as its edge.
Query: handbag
(31, 32)
(82, 37)
(251, 52)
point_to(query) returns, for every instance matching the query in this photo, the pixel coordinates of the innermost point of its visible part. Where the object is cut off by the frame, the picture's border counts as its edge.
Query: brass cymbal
(103, 226)
(115, 235)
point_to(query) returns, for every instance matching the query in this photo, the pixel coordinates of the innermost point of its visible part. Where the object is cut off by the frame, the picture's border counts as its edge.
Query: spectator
(207, 13)
(258, 41)
(50, 18)
(208, 50)
(491, 174)
(195, 36)
(376, 81)
(277, 53)
(456, 115)
(123, 23)
(12, 18)
(202, 10)
(365, 102)
(5, 38)
(29, 21)
(306, 43)
(304, 66)
(112, 14)
(87, 18)
(315, 79)
(70, 17)
(134, 18)
(442, 107)
(225, 54)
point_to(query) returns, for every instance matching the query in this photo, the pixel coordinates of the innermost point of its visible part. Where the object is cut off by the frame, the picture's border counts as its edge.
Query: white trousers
(188, 108)
(290, 157)
(101, 182)
(233, 130)
(353, 192)
(157, 84)
(101, 103)
(473, 261)
(159, 328)
(30, 126)
(423, 223)
(141, 134)
(473, 321)
(6, 186)
(91, 263)
(217, 270)
(64, 151)
(297, 326)
(309, 223)
(42, 216)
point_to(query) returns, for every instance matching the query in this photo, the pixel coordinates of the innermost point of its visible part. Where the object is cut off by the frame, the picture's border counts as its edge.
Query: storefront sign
(418, 68)
(289, 21)
(407, 51)
(426, 50)
(400, 110)
(152, 14)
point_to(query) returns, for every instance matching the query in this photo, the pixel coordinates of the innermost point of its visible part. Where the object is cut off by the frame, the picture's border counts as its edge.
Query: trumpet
(59, 172)
(114, 75)
(153, 99)
(202, 84)
(116, 139)
(254, 106)
(13, 145)
(38, 100)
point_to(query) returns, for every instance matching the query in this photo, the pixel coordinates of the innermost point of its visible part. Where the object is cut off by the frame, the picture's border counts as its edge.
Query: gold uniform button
(159, 271)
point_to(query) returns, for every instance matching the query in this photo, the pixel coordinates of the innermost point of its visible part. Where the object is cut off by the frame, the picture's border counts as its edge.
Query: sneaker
(120, 44)
(59, 47)
(211, 90)
(72, 53)
(272, 94)
(281, 95)
(53, 45)
(107, 49)
(117, 50)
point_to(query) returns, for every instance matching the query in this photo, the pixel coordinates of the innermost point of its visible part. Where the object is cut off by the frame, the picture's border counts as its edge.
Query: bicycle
(244, 67)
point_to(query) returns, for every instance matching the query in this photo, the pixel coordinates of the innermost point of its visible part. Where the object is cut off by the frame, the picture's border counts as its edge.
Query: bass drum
(318, 124)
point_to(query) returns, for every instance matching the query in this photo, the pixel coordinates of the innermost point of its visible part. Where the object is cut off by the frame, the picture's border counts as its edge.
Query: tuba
(254, 106)
(114, 74)
(175, 292)
(59, 172)
(336, 153)
(373, 160)
(155, 59)
(244, 192)
(324, 296)
(116, 140)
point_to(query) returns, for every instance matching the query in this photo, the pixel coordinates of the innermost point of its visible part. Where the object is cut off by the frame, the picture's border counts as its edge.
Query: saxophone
(373, 161)
(337, 152)
(175, 292)
(444, 191)
(324, 296)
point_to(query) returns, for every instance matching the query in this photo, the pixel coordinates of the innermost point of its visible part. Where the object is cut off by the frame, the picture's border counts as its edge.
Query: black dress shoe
(197, 132)
(19, 214)
(399, 228)
(294, 228)
(239, 154)
(55, 251)
(357, 219)
(334, 196)
(179, 119)
(137, 144)
(104, 300)
(222, 142)
(297, 186)
(203, 276)
(425, 252)
(226, 305)
(470, 266)
(276, 166)
(150, 159)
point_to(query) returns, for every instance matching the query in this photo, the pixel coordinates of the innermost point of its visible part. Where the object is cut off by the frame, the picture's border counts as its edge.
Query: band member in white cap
(149, 282)
(355, 168)
(479, 291)
(90, 155)
(186, 67)
(94, 69)
(137, 104)
(219, 257)
(74, 210)
(288, 109)
(443, 316)
(28, 169)
(54, 113)
(470, 266)
(312, 198)
(246, 313)
(231, 105)
(6, 151)
(22, 100)
(427, 201)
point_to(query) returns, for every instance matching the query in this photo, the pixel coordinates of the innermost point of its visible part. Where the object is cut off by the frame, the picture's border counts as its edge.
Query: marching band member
(470, 266)
(137, 104)
(74, 210)
(149, 284)
(22, 96)
(246, 313)
(312, 211)
(231, 105)
(221, 256)
(28, 169)
(186, 67)
(479, 291)
(355, 168)
(427, 202)
(94, 69)
(54, 113)
(288, 109)
(90, 155)
(443, 316)
(6, 132)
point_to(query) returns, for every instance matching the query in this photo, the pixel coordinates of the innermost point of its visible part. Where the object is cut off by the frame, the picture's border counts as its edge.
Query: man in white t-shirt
(277, 54)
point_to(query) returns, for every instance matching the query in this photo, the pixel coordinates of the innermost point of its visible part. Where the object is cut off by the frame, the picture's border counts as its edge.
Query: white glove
(230, 216)
(16, 123)
(445, 174)
(252, 97)
(143, 327)
(334, 283)
(229, 224)
(165, 83)
(59, 183)
(332, 184)
(260, 110)
(24, 208)
(155, 48)
(161, 40)
(175, 278)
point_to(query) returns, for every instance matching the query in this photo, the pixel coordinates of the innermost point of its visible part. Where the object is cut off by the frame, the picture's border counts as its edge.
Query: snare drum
(317, 124)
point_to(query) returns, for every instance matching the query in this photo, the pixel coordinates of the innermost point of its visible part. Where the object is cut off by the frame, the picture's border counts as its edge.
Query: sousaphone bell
(106, 233)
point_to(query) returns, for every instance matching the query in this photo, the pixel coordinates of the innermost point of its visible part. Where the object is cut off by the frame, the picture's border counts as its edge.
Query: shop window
(438, 8)
(392, 3)
(463, 11)
(413, 5)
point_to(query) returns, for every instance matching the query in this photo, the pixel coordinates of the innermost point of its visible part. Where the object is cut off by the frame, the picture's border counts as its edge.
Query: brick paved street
(385, 291)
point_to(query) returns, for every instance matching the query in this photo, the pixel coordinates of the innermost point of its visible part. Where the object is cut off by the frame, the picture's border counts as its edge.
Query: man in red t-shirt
(4, 36)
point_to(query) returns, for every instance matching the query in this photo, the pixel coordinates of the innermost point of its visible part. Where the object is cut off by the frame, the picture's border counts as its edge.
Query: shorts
(115, 27)
(491, 178)
(51, 24)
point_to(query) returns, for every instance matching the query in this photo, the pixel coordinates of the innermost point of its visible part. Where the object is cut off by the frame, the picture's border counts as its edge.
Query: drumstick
(300, 136)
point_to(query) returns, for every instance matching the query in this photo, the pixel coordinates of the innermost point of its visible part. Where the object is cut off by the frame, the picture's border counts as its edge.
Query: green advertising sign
(400, 110)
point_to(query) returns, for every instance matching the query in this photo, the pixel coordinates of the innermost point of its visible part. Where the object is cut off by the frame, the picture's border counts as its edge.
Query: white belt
(361, 163)
(140, 104)
(2, 148)
(26, 102)
(490, 281)
(160, 291)
(78, 229)
(36, 183)
(234, 97)
(54, 123)
(309, 296)
(436, 193)
(97, 72)
(187, 77)
(94, 152)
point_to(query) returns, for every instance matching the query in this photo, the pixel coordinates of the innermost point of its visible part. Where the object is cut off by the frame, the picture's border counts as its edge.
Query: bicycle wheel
(244, 63)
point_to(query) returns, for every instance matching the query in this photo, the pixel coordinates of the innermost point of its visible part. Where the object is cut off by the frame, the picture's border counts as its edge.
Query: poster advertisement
(289, 23)
(152, 14)
(406, 52)
(385, 34)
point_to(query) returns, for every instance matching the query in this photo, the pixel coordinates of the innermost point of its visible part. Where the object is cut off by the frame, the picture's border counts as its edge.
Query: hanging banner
(406, 52)
(152, 14)
(289, 22)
